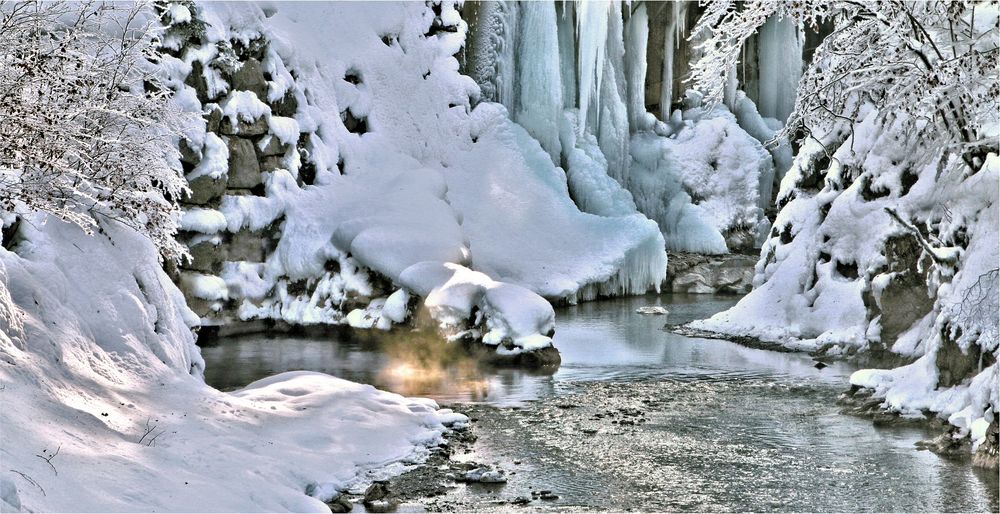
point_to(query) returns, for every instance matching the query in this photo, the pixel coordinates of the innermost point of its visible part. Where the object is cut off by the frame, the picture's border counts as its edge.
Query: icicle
(780, 63)
(611, 111)
(592, 35)
(635, 66)
(539, 90)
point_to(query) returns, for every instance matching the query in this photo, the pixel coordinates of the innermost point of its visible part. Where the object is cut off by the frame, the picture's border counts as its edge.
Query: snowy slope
(95, 349)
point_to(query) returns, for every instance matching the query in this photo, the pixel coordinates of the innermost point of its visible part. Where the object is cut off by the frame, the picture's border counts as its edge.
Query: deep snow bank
(95, 351)
(387, 166)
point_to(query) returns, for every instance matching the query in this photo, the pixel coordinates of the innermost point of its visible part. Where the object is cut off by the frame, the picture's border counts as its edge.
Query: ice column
(637, 31)
(539, 89)
(780, 66)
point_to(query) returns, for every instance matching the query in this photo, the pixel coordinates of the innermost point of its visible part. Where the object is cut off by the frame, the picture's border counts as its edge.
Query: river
(637, 418)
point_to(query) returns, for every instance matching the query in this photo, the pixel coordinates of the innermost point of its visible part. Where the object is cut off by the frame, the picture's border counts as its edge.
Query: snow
(285, 129)
(96, 347)
(802, 300)
(426, 182)
(208, 287)
(179, 13)
(396, 305)
(510, 312)
(243, 106)
(214, 161)
(206, 221)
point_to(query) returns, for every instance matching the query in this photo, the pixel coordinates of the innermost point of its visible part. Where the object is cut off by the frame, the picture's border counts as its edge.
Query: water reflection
(598, 341)
(727, 427)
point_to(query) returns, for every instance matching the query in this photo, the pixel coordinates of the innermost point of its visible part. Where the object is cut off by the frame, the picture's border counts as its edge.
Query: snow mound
(97, 357)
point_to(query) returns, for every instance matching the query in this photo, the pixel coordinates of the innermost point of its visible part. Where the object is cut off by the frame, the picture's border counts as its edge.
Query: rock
(819, 365)
(203, 308)
(256, 127)
(271, 163)
(250, 77)
(213, 120)
(377, 491)
(288, 105)
(483, 475)
(340, 504)
(244, 171)
(272, 147)
(652, 309)
(542, 358)
(696, 273)
(205, 190)
(249, 246)
(189, 153)
(986, 456)
(196, 79)
(205, 257)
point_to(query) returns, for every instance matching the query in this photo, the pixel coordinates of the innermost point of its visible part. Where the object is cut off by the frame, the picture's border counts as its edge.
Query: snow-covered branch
(85, 131)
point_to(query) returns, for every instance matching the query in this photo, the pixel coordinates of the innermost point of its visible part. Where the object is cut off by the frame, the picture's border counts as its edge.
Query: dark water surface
(640, 419)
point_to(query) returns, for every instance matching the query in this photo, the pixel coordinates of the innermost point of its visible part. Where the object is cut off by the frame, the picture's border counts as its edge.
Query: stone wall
(232, 166)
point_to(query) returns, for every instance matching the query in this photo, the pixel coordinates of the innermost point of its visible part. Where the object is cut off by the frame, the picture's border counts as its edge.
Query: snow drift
(99, 373)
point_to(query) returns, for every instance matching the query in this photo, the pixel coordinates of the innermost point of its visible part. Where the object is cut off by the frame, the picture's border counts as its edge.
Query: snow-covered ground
(104, 408)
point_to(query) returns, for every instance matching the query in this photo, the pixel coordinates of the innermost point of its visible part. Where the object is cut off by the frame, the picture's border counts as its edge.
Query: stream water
(637, 418)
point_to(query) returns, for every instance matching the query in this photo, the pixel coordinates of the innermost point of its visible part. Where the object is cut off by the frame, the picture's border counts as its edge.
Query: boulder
(287, 105)
(250, 77)
(205, 257)
(696, 273)
(213, 119)
(256, 127)
(270, 146)
(205, 191)
(272, 163)
(249, 246)
(244, 171)
(189, 154)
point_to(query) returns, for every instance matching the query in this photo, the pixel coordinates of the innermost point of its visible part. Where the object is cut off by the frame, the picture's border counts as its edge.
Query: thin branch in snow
(48, 459)
(30, 480)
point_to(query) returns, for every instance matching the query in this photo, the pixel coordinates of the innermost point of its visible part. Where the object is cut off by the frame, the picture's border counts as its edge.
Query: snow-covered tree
(86, 132)
(934, 61)
(887, 233)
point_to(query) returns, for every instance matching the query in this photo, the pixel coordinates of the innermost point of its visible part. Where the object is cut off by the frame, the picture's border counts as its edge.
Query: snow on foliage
(81, 137)
(887, 237)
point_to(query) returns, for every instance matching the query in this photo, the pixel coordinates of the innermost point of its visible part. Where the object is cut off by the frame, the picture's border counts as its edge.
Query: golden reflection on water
(420, 363)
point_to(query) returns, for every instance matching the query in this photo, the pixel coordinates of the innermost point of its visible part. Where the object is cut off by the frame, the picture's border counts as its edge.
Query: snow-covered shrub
(86, 132)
